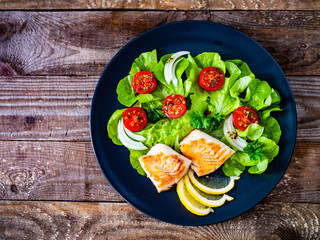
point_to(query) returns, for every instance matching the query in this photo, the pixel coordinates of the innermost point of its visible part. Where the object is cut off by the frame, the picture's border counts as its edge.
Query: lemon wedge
(212, 184)
(189, 202)
(210, 200)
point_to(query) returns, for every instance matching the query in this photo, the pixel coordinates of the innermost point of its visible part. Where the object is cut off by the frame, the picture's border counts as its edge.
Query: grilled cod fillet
(164, 166)
(206, 153)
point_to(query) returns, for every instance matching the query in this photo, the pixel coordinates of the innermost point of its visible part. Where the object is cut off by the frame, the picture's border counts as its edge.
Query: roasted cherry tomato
(134, 119)
(243, 116)
(211, 78)
(174, 106)
(144, 82)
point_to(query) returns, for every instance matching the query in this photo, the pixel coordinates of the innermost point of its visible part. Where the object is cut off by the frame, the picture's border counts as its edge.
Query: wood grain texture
(61, 220)
(52, 171)
(82, 43)
(57, 108)
(69, 171)
(163, 4)
(301, 181)
(46, 108)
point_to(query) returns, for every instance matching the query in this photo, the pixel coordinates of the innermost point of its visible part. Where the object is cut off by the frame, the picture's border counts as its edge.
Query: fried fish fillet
(206, 153)
(164, 166)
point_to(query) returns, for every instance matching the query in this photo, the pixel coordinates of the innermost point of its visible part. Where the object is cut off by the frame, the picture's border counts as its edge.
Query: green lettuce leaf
(197, 95)
(260, 167)
(243, 158)
(180, 69)
(145, 62)
(266, 113)
(236, 164)
(243, 67)
(167, 131)
(259, 95)
(112, 126)
(134, 160)
(239, 86)
(269, 148)
(221, 100)
(210, 59)
(253, 132)
(126, 94)
(232, 168)
(272, 129)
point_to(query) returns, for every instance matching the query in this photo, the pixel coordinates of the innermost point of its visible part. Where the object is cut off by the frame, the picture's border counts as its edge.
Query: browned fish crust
(164, 169)
(206, 156)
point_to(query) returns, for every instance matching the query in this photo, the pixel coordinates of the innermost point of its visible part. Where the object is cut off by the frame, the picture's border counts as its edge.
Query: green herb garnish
(254, 150)
(205, 121)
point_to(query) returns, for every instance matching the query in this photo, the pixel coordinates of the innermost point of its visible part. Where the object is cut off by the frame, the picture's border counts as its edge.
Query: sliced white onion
(128, 142)
(168, 66)
(229, 132)
(173, 69)
(131, 134)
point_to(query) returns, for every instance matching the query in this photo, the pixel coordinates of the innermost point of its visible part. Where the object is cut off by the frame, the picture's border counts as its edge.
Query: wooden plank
(306, 91)
(46, 108)
(52, 171)
(294, 187)
(162, 5)
(83, 42)
(58, 108)
(74, 220)
(69, 171)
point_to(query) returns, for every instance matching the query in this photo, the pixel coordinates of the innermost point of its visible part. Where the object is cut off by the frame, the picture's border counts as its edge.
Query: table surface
(51, 56)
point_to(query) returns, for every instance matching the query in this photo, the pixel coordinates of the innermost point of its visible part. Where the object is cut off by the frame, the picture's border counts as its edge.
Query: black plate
(196, 37)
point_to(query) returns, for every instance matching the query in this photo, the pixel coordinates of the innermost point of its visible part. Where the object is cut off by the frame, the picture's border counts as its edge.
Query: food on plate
(164, 166)
(171, 99)
(134, 119)
(129, 139)
(213, 183)
(170, 67)
(211, 78)
(144, 82)
(244, 116)
(206, 152)
(190, 202)
(201, 202)
(174, 106)
(232, 135)
(210, 200)
(210, 111)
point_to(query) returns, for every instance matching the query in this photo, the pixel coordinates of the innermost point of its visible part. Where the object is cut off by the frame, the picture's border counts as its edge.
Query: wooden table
(51, 56)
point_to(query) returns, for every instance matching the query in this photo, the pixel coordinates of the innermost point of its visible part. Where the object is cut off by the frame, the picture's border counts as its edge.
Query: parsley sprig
(254, 150)
(205, 121)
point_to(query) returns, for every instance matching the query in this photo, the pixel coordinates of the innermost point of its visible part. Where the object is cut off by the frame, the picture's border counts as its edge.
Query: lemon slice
(189, 202)
(213, 184)
(210, 200)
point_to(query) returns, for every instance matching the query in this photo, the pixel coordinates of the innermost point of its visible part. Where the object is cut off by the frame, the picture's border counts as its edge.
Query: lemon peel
(189, 202)
(210, 200)
(213, 184)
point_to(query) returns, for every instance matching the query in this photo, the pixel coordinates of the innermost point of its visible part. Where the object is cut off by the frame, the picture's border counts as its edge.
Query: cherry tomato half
(174, 106)
(243, 116)
(211, 78)
(144, 82)
(134, 119)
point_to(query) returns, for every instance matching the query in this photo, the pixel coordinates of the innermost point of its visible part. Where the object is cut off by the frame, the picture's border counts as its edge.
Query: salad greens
(205, 121)
(206, 110)
(254, 150)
